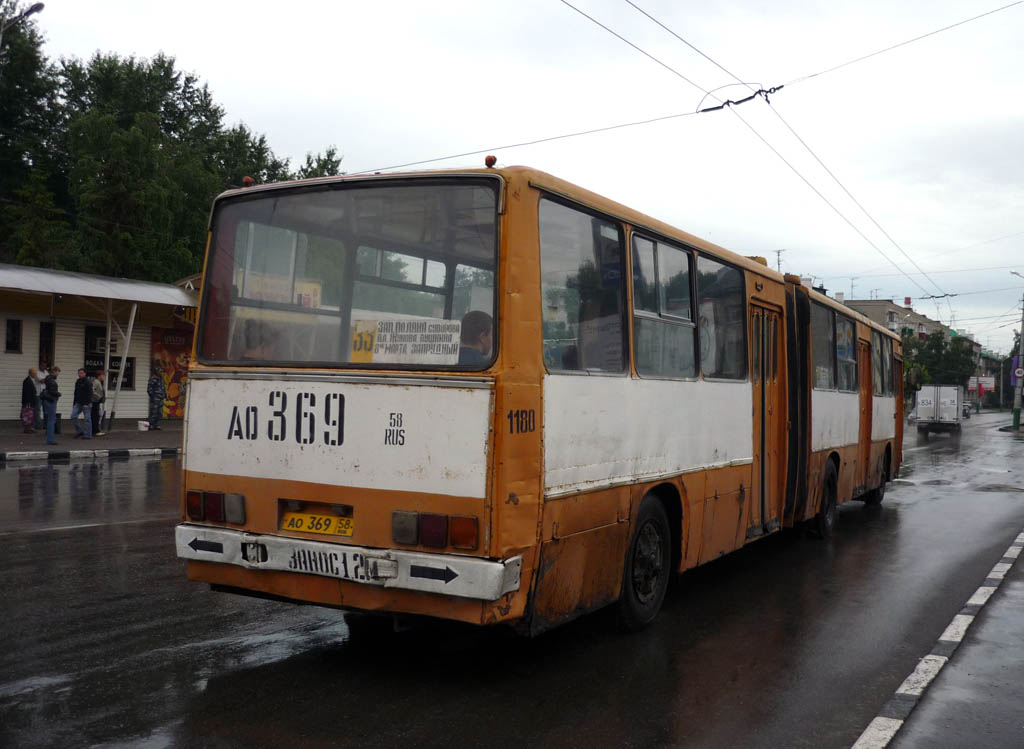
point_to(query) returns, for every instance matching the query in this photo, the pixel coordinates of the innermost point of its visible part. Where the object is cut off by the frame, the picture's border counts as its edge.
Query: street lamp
(1020, 363)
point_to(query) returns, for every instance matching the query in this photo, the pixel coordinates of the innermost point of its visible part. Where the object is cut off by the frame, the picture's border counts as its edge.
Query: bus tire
(824, 522)
(875, 496)
(647, 567)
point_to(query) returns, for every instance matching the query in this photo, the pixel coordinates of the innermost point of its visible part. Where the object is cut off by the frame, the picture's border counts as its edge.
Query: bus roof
(828, 301)
(543, 181)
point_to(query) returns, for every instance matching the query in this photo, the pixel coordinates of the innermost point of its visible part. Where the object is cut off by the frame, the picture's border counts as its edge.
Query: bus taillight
(214, 502)
(463, 531)
(433, 530)
(194, 505)
(216, 506)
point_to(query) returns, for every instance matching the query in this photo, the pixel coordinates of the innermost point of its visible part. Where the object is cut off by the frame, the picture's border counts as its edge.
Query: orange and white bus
(495, 397)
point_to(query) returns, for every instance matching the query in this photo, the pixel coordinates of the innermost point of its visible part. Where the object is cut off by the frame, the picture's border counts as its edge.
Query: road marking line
(878, 734)
(87, 525)
(927, 669)
(1000, 570)
(133, 451)
(981, 595)
(957, 628)
(881, 730)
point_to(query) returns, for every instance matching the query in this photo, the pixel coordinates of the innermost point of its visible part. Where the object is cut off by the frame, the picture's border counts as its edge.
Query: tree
(948, 362)
(109, 165)
(28, 105)
(326, 164)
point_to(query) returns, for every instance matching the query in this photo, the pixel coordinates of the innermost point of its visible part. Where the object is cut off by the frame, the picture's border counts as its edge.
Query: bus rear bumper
(447, 574)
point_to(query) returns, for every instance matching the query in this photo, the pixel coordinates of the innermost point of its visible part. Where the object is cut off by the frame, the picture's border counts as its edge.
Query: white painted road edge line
(882, 729)
(26, 455)
(878, 734)
(957, 628)
(927, 669)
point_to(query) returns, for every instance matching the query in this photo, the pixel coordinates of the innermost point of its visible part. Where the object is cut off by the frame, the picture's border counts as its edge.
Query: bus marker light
(194, 505)
(463, 532)
(404, 527)
(433, 530)
(234, 508)
(214, 502)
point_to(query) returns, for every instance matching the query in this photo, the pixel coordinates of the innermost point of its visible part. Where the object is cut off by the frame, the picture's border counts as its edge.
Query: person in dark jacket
(157, 392)
(82, 405)
(99, 394)
(29, 402)
(49, 397)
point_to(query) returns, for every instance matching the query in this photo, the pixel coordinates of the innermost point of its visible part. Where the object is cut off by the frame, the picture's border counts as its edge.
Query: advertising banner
(171, 350)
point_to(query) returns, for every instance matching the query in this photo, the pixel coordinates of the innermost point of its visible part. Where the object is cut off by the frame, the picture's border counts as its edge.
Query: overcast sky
(928, 138)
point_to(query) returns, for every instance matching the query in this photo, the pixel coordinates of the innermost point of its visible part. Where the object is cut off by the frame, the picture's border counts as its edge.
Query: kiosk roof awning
(46, 281)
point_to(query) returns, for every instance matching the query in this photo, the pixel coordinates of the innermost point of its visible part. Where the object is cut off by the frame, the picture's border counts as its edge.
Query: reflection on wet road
(789, 642)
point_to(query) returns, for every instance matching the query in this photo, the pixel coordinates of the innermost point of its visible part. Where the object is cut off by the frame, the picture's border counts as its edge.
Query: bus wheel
(647, 569)
(825, 520)
(875, 496)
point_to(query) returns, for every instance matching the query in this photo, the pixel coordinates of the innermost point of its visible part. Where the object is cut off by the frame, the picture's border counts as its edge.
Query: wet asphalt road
(790, 642)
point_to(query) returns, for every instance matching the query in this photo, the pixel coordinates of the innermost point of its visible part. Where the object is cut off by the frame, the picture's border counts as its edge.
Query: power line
(530, 142)
(934, 272)
(901, 44)
(970, 293)
(947, 252)
(803, 143)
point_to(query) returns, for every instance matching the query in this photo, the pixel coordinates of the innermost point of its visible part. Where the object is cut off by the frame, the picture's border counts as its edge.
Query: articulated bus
(495, 397)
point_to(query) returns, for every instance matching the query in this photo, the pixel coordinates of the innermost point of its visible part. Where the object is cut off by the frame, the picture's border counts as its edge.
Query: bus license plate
(307, 522)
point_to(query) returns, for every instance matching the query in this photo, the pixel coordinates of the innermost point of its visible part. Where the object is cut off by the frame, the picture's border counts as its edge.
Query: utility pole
(852, 279)
(778, 260)
(1020, 362)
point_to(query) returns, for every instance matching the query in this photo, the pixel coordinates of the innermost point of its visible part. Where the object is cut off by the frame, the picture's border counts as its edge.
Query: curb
(63, 456)
(895, 712)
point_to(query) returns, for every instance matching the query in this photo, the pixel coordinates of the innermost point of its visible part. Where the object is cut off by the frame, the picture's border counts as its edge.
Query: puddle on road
(936, 482)
(998, 488)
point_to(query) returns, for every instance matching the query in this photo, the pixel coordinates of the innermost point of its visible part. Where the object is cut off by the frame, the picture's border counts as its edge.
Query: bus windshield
(386, 274)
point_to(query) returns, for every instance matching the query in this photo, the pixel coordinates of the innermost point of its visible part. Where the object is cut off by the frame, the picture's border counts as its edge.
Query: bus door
(860, 477)
(766, 492)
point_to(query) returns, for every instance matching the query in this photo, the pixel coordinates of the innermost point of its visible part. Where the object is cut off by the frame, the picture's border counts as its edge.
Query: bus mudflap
(447, 574)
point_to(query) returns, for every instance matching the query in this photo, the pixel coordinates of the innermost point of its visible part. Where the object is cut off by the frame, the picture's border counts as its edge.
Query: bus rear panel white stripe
(397, 437)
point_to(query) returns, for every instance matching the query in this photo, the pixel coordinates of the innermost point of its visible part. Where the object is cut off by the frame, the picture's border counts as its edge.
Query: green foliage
(946, 362)
(110, 165)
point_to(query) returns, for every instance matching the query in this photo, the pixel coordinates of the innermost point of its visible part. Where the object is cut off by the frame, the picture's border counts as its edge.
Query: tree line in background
(109, 165)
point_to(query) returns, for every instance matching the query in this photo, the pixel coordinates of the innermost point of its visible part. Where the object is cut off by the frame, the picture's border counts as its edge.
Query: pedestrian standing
(99, 395)
(82, 405)
(49, 397)
(29, 402)
(40, 379)
(157, 392)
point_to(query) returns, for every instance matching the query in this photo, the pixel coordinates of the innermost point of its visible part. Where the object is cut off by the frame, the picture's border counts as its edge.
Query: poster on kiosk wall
(171, 349)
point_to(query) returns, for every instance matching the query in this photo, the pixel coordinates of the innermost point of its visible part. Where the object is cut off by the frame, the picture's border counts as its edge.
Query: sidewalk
(970, 689)
(977, 698)
(124, 441)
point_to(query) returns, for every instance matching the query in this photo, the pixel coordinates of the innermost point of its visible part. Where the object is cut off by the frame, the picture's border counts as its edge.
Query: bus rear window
(390, 275)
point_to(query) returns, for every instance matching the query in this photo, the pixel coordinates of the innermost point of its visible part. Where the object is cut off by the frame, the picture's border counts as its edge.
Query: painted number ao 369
(307, 419)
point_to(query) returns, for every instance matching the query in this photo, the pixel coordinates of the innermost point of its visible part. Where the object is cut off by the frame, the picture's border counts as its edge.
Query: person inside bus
(260, 341)
(476, 338)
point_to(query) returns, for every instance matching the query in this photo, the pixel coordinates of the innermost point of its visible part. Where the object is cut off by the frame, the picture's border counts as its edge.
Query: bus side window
(581, 290)
(721, 312)
(823, 347)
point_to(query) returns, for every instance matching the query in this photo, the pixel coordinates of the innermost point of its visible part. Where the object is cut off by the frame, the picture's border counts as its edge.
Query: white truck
(939, 408)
